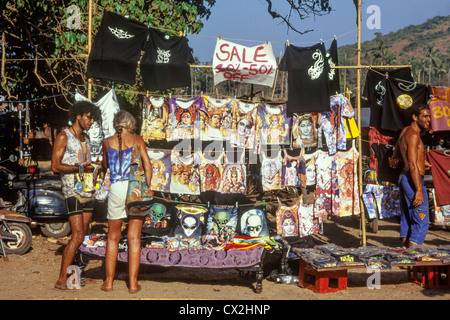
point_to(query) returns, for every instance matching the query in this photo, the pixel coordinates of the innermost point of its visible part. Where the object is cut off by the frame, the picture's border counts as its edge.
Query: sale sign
(440, 109)
(256, 65)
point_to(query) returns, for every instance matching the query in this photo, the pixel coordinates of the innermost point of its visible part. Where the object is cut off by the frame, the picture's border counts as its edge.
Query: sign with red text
(440, 109)
(256, 65)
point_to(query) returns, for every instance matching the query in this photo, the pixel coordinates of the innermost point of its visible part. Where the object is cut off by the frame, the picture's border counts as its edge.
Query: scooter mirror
(13, 158)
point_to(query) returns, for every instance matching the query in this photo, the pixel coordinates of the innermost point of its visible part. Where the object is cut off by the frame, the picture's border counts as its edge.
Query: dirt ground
(31, 276)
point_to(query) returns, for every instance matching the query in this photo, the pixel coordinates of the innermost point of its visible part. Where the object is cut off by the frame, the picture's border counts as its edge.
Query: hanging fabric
(307, 78)
(244, 125)
(399, 102)
(155, 114)
(103, 128)
(333, 74)
(440, 109)
(304, 130)
(165, 63)
(211, 170)
(256, 65)
(271, 170)
(116, 49)
(161, 169)
(217, 118)
(182, 122)
(185, 174)
(272, 125)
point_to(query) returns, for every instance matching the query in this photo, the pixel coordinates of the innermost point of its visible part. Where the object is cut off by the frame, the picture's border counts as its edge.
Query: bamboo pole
(89, 47)
(358, 105)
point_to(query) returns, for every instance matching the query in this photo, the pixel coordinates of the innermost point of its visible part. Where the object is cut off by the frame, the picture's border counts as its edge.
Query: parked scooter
(40, 198)
(15, 233)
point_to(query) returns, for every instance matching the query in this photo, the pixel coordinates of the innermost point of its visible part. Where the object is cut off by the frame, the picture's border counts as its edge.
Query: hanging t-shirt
(399, 101)
(310, 168)
(185, 173)
(108, 106)
(333, 74)
(234, 178)
(222, 222)
(116, 49)
(155, 114)
(375, 89)
(252, 222)
(182, 121)
(384, 171)
(161, 168)
(324, 176)
(217, 119)
(211, 170)
(304, 130)
(190, 221)
(287, 220)
(307, 223)
(307, 78)
(440, 169)
(347, 183)
(294, 171)
(272, 125)
(165, 63)
(271, 171)
(243, 134)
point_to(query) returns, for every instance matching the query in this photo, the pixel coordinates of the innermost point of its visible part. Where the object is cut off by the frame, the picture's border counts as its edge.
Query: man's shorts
(74, 206)
(414, 221)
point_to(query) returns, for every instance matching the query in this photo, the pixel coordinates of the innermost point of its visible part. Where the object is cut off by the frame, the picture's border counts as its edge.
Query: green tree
(45, 44)
(431, 59)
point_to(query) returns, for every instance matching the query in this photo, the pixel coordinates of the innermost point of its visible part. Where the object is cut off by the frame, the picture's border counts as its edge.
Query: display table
(428, 274)
(241, 260)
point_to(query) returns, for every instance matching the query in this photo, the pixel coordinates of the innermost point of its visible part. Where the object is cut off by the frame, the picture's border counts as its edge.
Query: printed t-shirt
(116, 49)
(154, 118)
(307, 78)
(165, 63)
(399, 101)
(333, 74)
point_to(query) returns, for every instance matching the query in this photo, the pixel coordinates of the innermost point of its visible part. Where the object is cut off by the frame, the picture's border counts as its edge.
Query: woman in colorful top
(117, 151)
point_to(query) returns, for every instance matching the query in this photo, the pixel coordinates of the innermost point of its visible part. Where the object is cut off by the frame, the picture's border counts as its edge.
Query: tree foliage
(45, 44)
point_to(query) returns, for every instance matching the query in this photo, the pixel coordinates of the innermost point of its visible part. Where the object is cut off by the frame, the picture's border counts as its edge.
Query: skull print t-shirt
(253, 222)
(165, 63)
(308, 81)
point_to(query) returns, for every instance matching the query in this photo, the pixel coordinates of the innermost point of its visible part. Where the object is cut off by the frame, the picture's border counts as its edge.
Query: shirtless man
(414, 221)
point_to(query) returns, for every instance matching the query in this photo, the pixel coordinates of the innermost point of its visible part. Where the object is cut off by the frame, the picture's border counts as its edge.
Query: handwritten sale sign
(255, 65)
(440, 109)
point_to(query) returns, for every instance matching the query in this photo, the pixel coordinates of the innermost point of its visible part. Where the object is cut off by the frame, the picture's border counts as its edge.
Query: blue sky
(248, 23)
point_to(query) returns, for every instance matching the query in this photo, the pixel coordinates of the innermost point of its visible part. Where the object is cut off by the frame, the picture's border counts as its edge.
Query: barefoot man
(72, 156)
(414, 220)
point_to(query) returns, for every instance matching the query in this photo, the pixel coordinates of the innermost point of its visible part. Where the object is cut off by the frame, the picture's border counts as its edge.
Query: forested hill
(425, 46)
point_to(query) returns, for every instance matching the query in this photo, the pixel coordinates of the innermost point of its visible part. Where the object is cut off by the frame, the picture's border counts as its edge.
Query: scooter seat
(44, 182)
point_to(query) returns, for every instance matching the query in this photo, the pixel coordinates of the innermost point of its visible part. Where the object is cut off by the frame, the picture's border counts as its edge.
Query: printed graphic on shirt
(190, 221)
(211, 170)
(158, 222)
(154, 118)
(243, 134)
(272, 125)
(304, 130)
(294, 171)
(185, 173)
(217, 119)
(308, 223)
(271, 171)
(161, 169)
(287, 220)
(222, 222)
(253, 222)
(183, 118)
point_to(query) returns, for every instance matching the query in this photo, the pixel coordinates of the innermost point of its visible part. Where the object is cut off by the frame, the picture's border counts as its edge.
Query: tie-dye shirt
(117, 172)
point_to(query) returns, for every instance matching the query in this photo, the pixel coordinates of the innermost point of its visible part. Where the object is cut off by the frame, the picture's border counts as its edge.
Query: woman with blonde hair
(117, 151)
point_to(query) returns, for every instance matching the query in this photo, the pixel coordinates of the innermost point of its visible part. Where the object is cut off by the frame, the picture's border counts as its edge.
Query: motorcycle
(15, 233)
(40, 198)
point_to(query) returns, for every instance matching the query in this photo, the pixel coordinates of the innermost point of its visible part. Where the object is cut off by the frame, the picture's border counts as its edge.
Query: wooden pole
(89, 46)
(358, 105)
